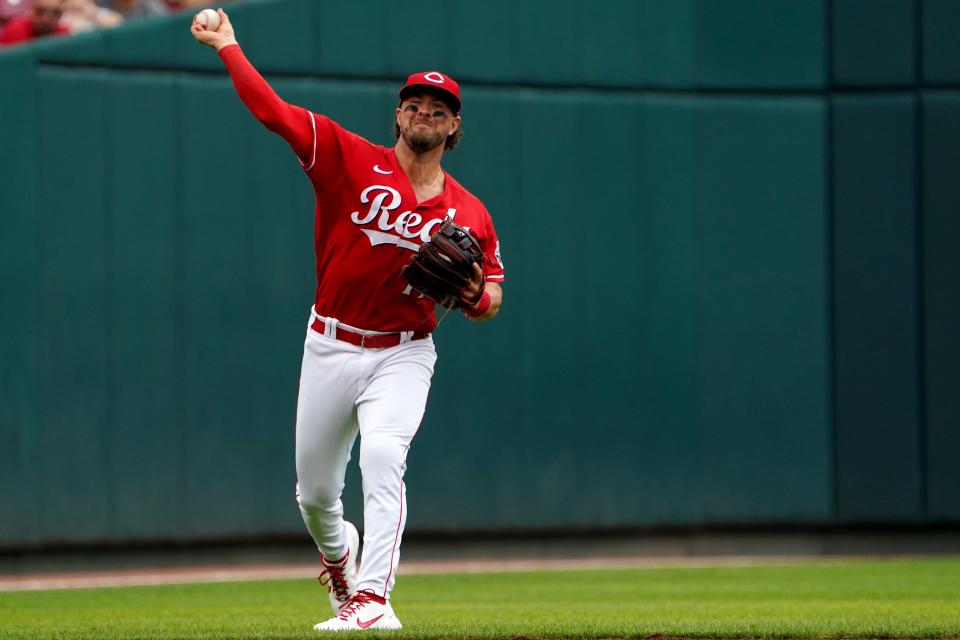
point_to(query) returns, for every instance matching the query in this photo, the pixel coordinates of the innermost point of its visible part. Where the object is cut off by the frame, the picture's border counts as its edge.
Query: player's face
(425, 121)
(46, 15)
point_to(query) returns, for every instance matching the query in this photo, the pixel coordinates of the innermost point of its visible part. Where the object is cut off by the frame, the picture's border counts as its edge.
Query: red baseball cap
(434, 80)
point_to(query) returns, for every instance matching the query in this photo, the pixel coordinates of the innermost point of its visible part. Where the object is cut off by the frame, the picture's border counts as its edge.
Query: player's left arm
(486, 278)
(495, 291)
(491, 298)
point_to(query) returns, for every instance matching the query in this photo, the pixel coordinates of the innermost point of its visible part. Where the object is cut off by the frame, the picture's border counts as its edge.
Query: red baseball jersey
(368, 220)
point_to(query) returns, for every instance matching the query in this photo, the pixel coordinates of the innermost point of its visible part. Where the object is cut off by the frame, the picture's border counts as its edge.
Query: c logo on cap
(433, 76)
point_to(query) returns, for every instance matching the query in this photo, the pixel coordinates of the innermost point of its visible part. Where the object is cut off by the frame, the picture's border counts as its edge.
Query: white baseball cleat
(340, 578)
(366, 610)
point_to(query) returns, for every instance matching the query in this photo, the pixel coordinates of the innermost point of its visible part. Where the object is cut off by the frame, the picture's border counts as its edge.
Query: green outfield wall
(731, 241)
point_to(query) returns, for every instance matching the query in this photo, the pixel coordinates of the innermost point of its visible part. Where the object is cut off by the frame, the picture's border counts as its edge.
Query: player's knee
(318, 499)
(381, 458)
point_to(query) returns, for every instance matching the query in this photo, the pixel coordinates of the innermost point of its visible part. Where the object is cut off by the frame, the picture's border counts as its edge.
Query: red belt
(380, 341)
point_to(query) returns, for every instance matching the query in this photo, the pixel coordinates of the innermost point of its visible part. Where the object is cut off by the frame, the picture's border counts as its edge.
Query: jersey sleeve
(493, 262)
(294, 124)
(320, 143)
(333, 144)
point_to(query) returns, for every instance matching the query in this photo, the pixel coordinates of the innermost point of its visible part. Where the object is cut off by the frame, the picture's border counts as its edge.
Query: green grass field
(850, 599)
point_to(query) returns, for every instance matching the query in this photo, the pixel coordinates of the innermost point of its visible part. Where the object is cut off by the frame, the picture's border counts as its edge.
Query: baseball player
(368, 356)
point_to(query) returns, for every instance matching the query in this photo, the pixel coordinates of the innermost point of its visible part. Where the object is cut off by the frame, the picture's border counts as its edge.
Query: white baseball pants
(380, 394)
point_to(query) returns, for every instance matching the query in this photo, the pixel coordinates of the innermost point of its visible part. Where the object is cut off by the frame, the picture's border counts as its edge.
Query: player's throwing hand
(217, 38)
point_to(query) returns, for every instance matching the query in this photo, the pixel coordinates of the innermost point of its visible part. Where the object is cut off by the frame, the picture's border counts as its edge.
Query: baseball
(210, 19)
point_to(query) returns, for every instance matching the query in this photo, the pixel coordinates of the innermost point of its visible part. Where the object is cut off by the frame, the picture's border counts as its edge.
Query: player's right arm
(294, 124)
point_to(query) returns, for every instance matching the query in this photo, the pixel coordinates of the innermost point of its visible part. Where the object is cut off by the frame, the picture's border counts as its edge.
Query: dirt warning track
(241, 573)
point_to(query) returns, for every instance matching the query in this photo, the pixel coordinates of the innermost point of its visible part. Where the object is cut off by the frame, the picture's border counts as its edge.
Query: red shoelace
(336, 581)
(359, 599)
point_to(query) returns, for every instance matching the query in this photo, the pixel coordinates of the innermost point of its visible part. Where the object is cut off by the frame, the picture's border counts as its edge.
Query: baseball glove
(443, 267)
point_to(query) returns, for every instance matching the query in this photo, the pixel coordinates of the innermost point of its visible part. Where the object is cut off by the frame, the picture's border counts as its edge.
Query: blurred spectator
(10, 9)
(177, 5)
(43, 19)
(84, 15)
(136, 8)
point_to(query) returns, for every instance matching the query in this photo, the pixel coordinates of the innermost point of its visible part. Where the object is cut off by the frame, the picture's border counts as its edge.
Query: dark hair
(449, 144)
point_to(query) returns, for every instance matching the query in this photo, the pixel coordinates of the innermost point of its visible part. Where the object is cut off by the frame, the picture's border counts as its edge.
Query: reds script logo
(399, 231)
